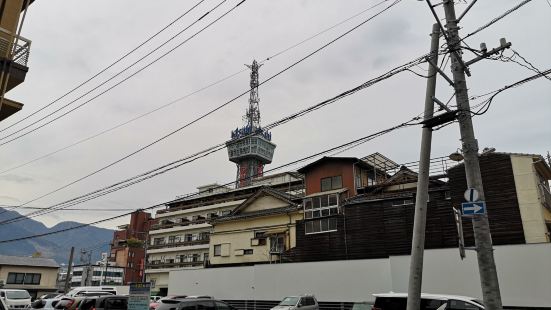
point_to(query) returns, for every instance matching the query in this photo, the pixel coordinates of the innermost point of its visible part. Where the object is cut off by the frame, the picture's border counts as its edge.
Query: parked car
(115, 302)
(155, 298)
(83, 290)
(67, 303)
(50, 296)
(398, 301)
(45, 304)
(304, 302)
(3, 306)
(195, 303)
(170, 298)
(16, 299)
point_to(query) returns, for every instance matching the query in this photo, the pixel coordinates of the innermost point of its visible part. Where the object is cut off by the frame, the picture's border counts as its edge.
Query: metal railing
(545, 195)
(178, 244)
(184, 223)
(174, 265)
(15, 47)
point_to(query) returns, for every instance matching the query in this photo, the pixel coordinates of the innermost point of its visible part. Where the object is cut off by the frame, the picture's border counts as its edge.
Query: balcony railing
(178, 244)
(546, 195)
(173, 265)
(15, 46)
(170, 225)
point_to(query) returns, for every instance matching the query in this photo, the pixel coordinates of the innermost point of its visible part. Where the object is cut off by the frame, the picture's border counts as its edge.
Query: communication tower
(250, 146)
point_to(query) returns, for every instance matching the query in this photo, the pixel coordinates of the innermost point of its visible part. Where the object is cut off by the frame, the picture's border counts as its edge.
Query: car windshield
(289, 301)
(17, 295)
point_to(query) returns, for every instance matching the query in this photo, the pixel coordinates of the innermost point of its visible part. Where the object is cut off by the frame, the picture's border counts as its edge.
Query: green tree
(134, 243)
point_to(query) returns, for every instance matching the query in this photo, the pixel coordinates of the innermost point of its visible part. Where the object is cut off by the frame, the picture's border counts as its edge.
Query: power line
(189, 94)
(219, 107)
(485, 105)
(365, 138)
(495, 20)
(118, 83)
(175, 164)
(71, 209)
(106, 68)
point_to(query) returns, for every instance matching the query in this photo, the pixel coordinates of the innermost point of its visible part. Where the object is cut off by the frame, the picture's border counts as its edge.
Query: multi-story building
(36, 275)
(14, 53)
(128, 246)
(96, 275)
(180, 239)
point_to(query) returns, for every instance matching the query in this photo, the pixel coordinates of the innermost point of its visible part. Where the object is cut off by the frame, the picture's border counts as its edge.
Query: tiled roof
(28, 261)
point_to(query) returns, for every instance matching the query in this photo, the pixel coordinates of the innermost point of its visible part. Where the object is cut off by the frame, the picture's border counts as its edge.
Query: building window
(218, 250)
(248, 252)
(24, 278)
(172, 239)
(277, 244)
(188, 237)
(158, 241)
(15, 278)
(330, 183)
(321, 225)
(321, 206)
(404, 202)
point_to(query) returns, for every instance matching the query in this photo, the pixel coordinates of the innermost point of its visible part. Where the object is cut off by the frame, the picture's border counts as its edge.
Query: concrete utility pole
(421, 198)
(481, 227)
(69, 271)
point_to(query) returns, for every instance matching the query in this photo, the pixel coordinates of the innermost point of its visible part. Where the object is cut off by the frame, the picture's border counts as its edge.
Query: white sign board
(471, 195)
(139, 295)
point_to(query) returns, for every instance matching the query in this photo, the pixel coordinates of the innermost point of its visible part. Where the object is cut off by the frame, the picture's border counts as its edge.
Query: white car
(303, 302)
(15, 299)
(45, 304)
(398, 301)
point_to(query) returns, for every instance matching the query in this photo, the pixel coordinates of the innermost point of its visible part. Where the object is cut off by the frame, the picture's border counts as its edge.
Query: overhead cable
(215, 109)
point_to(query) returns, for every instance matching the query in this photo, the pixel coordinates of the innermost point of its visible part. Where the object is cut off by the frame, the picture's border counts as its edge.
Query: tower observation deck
(250, 146)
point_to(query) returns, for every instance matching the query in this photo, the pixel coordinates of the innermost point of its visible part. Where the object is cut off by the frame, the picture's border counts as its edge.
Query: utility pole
(69, 271)
(421, 198)
(481, 227)
(105, 272)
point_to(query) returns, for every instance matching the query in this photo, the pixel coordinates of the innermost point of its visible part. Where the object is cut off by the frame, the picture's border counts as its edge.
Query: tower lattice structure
(250, 146)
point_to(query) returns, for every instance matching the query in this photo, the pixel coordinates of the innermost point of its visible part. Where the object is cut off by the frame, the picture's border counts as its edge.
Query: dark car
(194, 304)
(114, 302)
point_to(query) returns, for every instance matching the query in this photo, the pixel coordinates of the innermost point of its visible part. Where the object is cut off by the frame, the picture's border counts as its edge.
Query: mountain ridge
(56, 246)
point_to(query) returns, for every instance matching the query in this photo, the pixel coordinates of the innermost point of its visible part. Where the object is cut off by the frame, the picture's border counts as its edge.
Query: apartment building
(14, 53)
(180, 238)
(128, 246)
(96, 275)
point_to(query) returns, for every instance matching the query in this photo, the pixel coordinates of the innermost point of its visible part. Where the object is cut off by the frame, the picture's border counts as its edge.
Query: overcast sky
(73, 40)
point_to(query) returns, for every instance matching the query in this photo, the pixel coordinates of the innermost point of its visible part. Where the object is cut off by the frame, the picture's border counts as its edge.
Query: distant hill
(55, 246)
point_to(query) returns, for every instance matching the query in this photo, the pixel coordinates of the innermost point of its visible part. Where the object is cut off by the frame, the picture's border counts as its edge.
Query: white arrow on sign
(475, 208)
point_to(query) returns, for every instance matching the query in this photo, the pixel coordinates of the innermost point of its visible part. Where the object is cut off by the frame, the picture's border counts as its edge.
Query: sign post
(139, 296)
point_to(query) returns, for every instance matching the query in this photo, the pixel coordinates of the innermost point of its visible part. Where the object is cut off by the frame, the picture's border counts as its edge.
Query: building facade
(36, 275)
(96, 275)
(378, 223)
(128, 246)
(14, 53)
(259, 230)
(180, 238)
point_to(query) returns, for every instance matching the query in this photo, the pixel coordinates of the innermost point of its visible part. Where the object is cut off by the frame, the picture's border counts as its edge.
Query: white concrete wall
(524, 272)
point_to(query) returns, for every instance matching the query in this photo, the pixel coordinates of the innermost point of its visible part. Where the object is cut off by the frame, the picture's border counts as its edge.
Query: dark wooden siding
(501, 198)
(378, 229)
